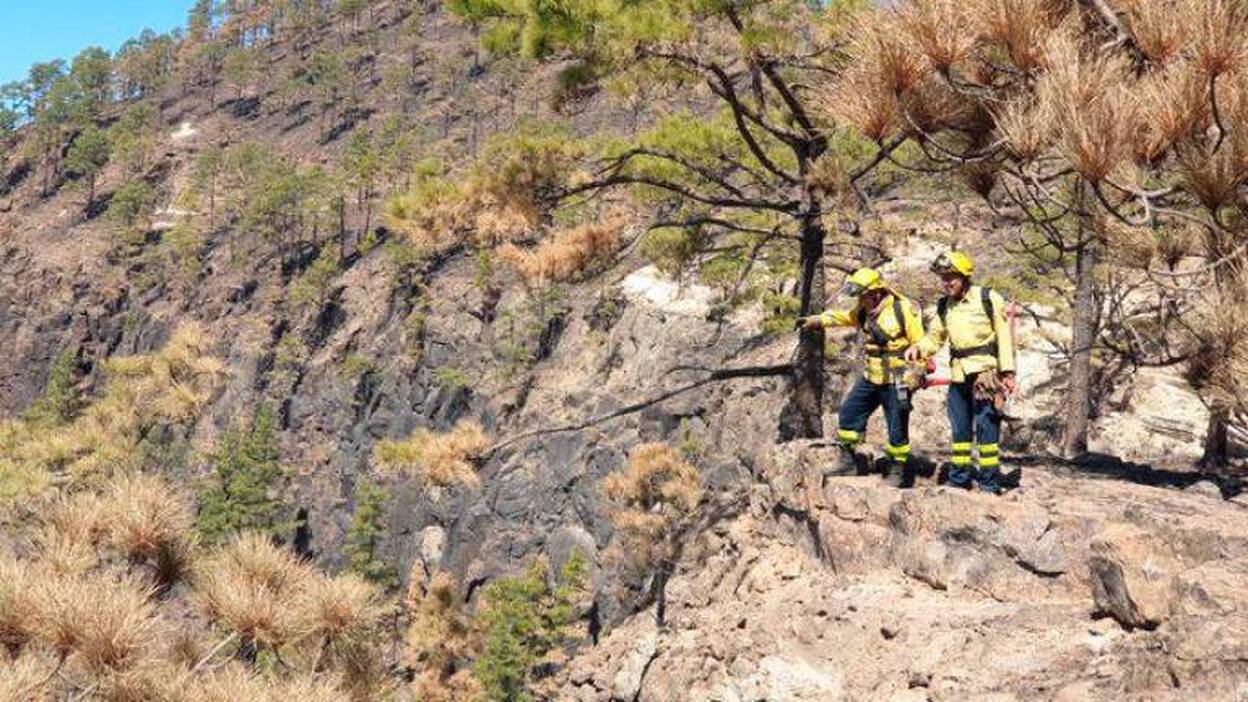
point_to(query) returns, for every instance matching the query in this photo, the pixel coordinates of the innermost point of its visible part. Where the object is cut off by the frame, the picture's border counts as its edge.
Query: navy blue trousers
(863, 400)
(975, 423)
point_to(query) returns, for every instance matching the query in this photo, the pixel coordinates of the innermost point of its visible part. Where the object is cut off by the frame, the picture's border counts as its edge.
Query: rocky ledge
(826, 588)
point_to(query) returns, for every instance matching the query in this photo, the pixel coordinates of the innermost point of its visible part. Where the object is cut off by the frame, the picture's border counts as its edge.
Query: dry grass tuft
(437, 459)
(149, 521)
(565, 256)
(344, 609)
(440, 640)
(107, 623)
(250, 586)
(25, 679)
(235, 683)
(78, 517)
(17, 606)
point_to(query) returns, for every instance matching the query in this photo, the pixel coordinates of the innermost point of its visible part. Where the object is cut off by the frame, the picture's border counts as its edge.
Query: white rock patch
(648, 286)
(184, 131)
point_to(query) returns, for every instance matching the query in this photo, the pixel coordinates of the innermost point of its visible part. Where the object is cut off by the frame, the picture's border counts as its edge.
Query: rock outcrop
(840, 588)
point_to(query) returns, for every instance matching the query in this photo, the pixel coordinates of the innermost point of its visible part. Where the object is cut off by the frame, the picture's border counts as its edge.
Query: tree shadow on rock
(1103, 466)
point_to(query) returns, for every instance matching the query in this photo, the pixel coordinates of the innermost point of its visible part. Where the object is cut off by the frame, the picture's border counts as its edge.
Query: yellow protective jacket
(882, 324)
(976, 342)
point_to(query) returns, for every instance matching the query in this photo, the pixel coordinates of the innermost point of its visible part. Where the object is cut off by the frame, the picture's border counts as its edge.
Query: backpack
(985, 296)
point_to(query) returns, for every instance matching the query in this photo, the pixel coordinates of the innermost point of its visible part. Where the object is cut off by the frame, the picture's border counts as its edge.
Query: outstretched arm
(831, 318)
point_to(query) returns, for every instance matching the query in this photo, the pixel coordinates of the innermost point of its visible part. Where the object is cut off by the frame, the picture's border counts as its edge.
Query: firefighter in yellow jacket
(891, 324)
(971, 319)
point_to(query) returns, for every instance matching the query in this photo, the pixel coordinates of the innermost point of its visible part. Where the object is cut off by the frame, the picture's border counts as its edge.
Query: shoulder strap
(900, 314)
(942, 311)
(872, 327)
(985, 294)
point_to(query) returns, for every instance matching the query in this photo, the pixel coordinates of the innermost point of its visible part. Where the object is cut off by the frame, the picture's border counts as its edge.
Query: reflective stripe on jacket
(889, 355)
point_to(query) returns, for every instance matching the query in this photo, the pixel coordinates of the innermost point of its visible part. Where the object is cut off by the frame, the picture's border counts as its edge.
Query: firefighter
(972, 320)
(890, 324)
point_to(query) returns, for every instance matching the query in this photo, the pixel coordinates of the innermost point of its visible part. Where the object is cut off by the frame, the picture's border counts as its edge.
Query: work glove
(812, 322)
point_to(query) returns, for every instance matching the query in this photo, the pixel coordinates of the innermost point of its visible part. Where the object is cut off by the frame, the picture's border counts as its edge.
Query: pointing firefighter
(972, 320)
(891, 324)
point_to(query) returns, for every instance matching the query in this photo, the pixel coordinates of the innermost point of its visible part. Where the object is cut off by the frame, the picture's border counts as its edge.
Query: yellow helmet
(863, 280)
(954, 262)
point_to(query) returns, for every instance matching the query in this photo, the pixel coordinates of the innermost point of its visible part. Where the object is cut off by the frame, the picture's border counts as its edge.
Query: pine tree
(132, 205)
(764, 173)
(362, 163)
(1112, 137)
(59, 402)
(365, 535)
(242, 495)
(524, 619)
(87, 156)
(92, 70)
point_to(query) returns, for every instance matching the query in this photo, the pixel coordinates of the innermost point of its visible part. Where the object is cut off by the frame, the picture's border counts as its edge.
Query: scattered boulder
(1132, 577)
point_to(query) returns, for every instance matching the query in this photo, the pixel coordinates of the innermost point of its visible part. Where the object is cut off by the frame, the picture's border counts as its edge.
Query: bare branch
(1217, 114)
(789, 207)
(620, 161)
(884, 152)
(718, 222)
(715, 376)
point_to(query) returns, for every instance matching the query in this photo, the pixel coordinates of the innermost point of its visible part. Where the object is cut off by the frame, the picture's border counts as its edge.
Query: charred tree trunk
(1217, 447)
(1083, 337)
(1216, 454)
(802, 417)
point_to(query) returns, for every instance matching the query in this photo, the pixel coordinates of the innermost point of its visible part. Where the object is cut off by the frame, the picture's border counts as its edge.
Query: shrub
(566, 255)
(653, 498)
(440, 641)
(147, 521)
(437, 459)
(313, 286)
(132, 205)
(105, 622)
(451, 379)
(17, 606)
(249, 587)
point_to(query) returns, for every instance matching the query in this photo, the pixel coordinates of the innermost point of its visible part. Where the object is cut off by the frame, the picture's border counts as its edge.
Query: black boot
(990, 481)
(847, 463)
(898, 474)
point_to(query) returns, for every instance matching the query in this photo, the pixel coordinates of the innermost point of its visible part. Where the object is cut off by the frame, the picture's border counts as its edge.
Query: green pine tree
(524, 620)
(59, 402)
(87, 157)
(243, 492)
(365, 535)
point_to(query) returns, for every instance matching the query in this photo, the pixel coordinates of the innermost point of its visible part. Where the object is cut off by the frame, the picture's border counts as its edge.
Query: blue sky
(42, 30)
